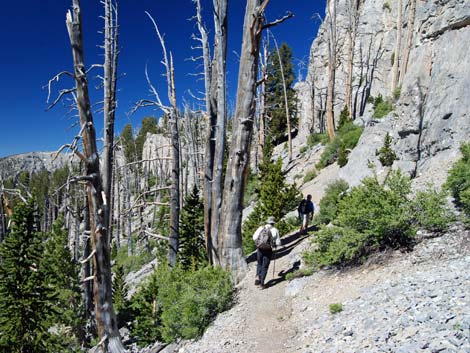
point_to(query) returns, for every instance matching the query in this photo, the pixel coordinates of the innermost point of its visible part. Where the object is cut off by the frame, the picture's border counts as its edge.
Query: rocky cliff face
(430, 119)
(32, 162)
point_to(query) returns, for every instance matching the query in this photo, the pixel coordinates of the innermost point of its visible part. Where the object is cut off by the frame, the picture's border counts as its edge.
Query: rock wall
(430, 119)
(32, 162)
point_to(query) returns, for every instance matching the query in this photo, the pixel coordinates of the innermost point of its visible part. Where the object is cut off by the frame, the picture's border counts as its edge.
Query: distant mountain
(32, 162)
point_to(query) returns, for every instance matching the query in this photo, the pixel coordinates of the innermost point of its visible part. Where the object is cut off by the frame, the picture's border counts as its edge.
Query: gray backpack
(264, 240)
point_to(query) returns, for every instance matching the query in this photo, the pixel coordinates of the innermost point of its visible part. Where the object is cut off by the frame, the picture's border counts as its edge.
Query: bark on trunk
(409, 40)
(104, 312)
(332, 47)
(221, 27)
(397, 52)
(230, 241)
(109, 107)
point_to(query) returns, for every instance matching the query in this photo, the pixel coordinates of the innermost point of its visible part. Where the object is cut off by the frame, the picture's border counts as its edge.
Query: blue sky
(35, 47)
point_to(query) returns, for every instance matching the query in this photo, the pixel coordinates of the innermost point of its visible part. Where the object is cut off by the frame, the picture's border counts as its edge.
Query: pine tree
(277, 198)
(192, 252)
(26, 299)
(149, 125)
(120, 293)
(386, 154)
(62, 275)
(127, 141)
(275, 103)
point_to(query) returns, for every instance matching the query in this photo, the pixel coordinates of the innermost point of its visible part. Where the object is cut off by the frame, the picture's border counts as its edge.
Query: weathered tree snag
(397, 53)
(230, 240)
(353, 21)
(286, 103)
(109, 106)
(332, 47)
(221, 27)
(409, 41)
(105, 316)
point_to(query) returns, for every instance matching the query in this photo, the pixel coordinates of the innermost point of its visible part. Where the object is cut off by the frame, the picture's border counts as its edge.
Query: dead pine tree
(286, 102)
(352, 24)
(397, 53)
(104, 311)
(230, 238)
(332, 47)
(409, 40)
(172, 112)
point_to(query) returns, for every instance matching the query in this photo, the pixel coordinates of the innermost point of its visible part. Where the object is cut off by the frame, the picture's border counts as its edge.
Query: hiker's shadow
(282, 275)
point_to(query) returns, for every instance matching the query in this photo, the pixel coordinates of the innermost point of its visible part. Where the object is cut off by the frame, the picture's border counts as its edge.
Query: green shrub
(336, 308)
(336, 246)
(370, 217)
(303, 149)
(277, 198)
(314, 139)
(386, 6)
(382, 107)
(346, 138)
(134, 262)
(180, 304)
(397, 93)
(329, 202)
(382, 212)
(342, 156)
(430, 210)
(344, 117)
(386, 154)
(311, 174)
(458, 181)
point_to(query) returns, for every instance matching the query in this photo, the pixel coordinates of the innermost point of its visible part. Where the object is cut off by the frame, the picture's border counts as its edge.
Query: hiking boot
(263, 286)
(257, 282)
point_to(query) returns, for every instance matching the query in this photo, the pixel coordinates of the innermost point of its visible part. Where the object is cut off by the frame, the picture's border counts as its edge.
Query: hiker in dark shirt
(306, 209)
(266, 237)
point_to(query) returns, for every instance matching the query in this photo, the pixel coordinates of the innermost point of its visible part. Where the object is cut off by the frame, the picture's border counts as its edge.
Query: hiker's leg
(259, 257)
(265, 266)
(304, 221)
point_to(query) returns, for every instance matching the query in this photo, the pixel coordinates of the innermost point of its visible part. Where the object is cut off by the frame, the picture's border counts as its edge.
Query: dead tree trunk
(286, 103)
(105, 316)
(397, 52)
(230, 240)
(409, 40)
(109, 107)
(332, 47)
(221, 27)
(352, 33)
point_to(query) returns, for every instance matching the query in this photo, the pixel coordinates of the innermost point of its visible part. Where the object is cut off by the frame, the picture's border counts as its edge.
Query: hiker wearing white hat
(266, 238)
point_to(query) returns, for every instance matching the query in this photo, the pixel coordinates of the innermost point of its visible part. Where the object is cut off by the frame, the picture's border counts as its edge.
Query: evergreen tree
(149, 125)
(386, 154)
(120, 293)
(275, 102)
(277, 198)
(128, 144)
(26, 299)
(192, 252)
(62, 275)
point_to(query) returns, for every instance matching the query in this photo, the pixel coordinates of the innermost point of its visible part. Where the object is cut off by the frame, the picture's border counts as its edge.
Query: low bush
(382, 107)
(346, 138)
(315, 139)
(311, 174)
(329, 202)
(458, 181)
(430, 210)
(177, 304)
(371, 217)
(134, 262)
(336, 308)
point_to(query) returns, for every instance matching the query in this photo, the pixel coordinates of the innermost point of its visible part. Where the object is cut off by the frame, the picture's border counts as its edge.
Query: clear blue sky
(35, 47)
